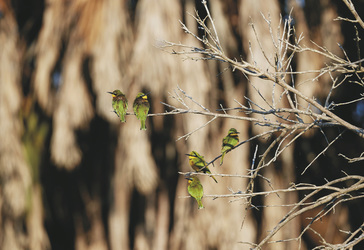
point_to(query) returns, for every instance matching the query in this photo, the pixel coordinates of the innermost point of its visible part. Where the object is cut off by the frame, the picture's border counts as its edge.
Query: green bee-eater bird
(229, 142)
(198, 163)
(195, 189)
(119, 104)
(141, 108)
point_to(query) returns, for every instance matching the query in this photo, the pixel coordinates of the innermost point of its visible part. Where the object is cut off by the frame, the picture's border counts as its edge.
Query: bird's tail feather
(214, 178)
(122, 118)
(200, 205)
(142, 126)
(222, 158)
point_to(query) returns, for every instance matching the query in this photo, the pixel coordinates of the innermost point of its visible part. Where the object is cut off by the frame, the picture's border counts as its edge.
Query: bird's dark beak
(188, 176)
(188, 154)
(110, 92)
(147, 93)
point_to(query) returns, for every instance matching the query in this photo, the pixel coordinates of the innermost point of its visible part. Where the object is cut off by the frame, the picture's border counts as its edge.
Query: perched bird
(141, 108)
(195, 189)
(119, 104)
(229, 142)
(198, 163)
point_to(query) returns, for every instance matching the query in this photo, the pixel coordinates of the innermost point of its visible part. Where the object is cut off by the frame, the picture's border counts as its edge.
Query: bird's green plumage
(229, 142)
(198, 163)
(141, 108)
(195, 189)
(119, 104)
